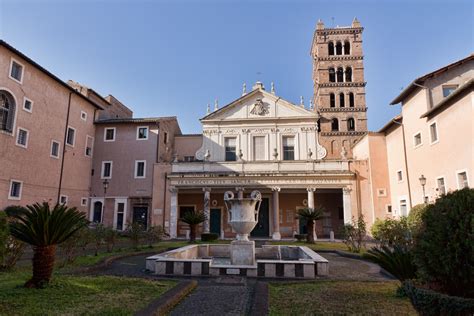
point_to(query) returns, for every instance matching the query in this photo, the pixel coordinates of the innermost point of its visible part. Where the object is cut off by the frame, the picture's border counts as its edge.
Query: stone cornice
(342, 84)
(343, 133)
(338, 57)
(346, 30)
(356, 109)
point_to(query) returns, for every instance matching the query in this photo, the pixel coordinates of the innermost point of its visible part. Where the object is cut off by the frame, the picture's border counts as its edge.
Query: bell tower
(339, 87)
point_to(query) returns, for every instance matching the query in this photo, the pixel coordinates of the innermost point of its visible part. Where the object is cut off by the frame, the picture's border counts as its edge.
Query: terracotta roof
(393, 121)
(49, 74)
(135, 120)
(447, 101)
(414, 85)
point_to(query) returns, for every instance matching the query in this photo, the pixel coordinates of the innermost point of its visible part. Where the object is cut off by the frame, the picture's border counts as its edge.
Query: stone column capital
(206, 189)
(311, 189)
(346, 190)
(276, 189)
(238, 189)
(173, 189)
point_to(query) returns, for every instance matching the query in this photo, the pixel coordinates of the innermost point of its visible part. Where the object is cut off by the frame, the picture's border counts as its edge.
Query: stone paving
(233, 295)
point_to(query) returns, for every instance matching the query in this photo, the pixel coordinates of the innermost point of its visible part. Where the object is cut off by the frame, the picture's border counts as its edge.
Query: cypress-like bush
(444, 249)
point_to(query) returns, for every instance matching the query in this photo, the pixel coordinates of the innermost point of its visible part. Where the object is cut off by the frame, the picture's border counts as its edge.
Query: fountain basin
(271, 261)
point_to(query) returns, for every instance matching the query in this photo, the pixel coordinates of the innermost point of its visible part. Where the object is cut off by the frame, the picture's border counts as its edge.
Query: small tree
(70, 247)
(154, 234)
(444, 249)
(193, 219)
(110, 238)
(11, 249)
(98, 234)
(393, 232)
(310, 215)
(44, 228)
(135, 232)
(354, 234)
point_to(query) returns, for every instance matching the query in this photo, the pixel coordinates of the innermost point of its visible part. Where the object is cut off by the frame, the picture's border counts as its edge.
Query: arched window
(340, 74)
(348, 74)
(332, 75)
(350, 124)
(351, 99)
(332, 100)
(97, 215)
(338, 48)
(7, 111)
(331, 48)
(334, 125)
(347, 48)
(342, 102)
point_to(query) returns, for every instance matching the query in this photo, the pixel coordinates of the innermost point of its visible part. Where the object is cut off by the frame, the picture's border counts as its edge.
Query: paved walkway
(233, 295)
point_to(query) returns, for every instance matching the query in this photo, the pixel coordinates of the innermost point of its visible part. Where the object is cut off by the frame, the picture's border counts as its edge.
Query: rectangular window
(400, 176)
(417, 139)
(403, 207)
(63, 199)
(230, 148)
(434, 132)
(83, 201)
(89, 145)
(381, 192)
(463, 181)
(109, 134)
(142, 133)
(16, 71)
(140, 169)
(165, 140)
(120, 216)
(441, 186)
(389, 208)
(83, 116)
(71, 136)
(288, 148)
(106, 170)
(55, 149)
(22, 138)
(27, 105)
(447, 90)
(259, 148)
(15, 190)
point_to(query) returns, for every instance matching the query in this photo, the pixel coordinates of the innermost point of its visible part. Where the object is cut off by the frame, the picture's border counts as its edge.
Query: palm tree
(397, 260)
(193, 219)
(44, 228)
(311, 215)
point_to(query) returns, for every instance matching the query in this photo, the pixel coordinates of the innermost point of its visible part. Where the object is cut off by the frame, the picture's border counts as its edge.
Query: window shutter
(259, 147)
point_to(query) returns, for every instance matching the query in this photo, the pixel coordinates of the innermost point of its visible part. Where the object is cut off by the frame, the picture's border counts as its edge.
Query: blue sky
(165, 58)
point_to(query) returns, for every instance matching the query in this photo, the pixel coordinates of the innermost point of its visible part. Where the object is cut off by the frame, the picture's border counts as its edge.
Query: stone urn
(243, 216)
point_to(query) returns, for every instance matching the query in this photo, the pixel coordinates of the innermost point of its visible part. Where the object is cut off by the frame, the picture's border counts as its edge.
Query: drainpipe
(64, 148)
(406, 161)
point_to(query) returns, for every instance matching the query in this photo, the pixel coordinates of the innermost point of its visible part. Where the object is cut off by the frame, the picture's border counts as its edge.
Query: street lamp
(423, 183)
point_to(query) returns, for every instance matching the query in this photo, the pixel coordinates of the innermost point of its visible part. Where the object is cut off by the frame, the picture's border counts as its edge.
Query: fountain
(240, 257)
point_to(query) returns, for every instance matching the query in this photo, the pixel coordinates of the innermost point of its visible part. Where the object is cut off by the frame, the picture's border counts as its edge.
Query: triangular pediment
(258, 105)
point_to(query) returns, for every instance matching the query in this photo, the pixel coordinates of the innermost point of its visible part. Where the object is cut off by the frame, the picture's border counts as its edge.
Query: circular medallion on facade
(305, 202)
(214, 203)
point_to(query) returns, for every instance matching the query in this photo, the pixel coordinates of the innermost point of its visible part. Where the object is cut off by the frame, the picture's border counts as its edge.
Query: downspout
(64, 148)
(406, 161)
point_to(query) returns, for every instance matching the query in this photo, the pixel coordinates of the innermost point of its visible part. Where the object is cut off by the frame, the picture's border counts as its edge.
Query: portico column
(346, 204)
(207, 208)
(311, 205)
(174, 212)
(276, 213)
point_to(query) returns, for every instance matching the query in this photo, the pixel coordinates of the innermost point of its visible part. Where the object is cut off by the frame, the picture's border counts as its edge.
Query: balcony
(266, 167)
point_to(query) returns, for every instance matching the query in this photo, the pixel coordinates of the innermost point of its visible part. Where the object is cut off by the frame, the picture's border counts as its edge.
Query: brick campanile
(339, 86)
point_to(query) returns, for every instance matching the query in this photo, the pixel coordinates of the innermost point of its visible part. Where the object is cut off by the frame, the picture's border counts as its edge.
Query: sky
(172, 58)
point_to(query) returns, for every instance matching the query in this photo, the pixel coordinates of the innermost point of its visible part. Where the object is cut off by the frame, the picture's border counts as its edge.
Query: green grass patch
(338, 297)
(78, 295)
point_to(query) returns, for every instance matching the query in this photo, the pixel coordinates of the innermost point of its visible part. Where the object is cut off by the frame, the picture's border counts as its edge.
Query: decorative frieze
(355, 109)
(342, 84)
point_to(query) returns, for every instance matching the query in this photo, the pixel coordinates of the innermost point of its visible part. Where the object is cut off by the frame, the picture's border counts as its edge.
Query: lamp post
(106, 186)
(423, 183)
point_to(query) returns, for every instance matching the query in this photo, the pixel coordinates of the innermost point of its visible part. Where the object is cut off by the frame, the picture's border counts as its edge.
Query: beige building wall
(33, 165)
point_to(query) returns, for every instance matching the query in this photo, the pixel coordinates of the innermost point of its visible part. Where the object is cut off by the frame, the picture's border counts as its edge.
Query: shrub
(11, 249)
(154, 234)
(193, 219)
(397, 260)
(428, 302)
(70, 247)
(98, 232)
(354, 234)
(209, 236)
(110, 238)
(444, 251)
(414, 218)
(135, 232)
(393, 232)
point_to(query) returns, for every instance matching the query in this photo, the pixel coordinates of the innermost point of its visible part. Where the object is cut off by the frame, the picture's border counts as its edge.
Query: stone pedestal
(242, 252)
